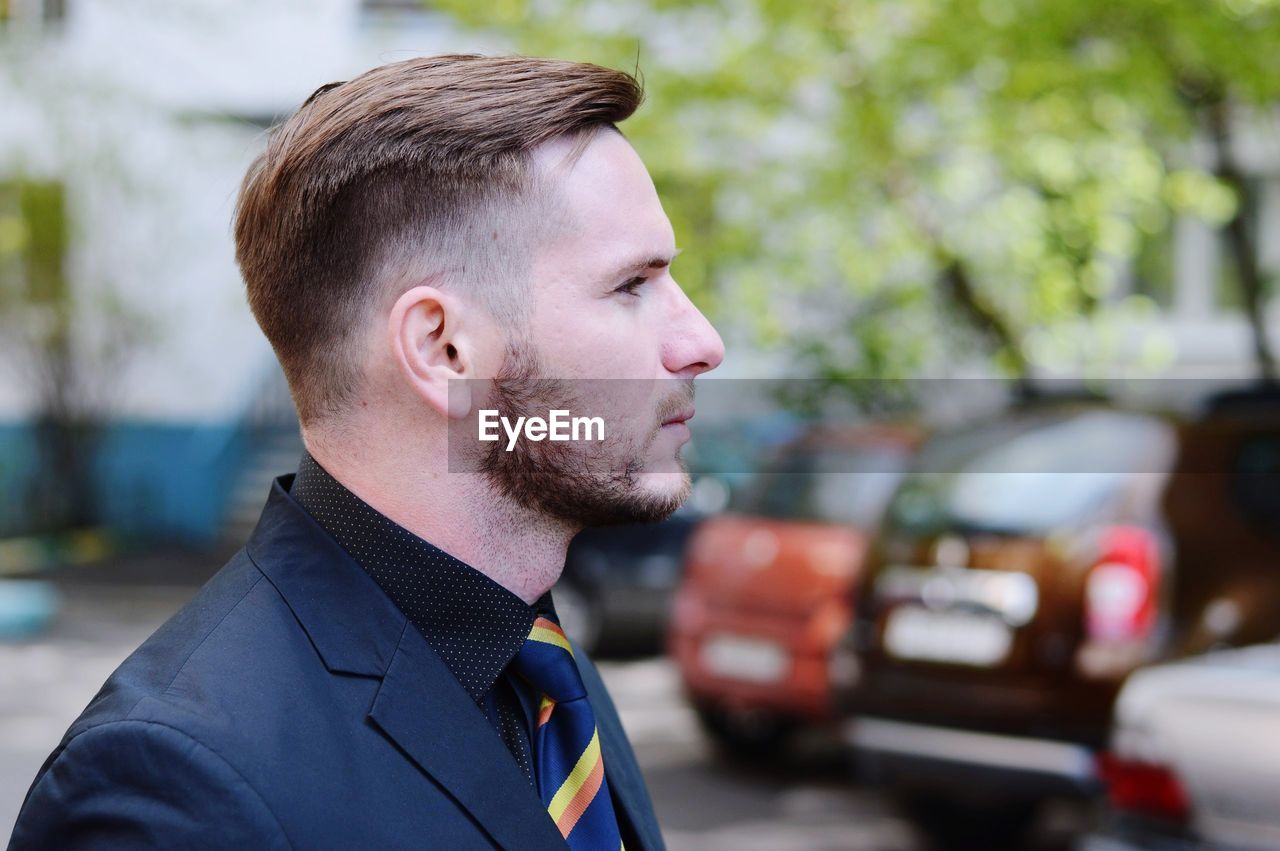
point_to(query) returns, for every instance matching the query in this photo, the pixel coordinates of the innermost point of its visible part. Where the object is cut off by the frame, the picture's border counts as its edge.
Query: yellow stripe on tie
(582, 770)
(547, 636)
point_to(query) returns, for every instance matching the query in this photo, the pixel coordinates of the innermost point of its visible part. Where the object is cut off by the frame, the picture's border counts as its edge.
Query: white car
(1195, 756)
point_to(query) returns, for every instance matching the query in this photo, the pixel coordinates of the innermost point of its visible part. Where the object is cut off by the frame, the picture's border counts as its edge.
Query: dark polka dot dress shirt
(474, 624)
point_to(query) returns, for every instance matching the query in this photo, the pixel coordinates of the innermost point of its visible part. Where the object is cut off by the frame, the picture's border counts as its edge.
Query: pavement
(806, 802)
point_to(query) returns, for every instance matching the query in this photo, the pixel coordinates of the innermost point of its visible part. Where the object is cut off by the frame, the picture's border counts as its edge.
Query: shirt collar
(474, 624)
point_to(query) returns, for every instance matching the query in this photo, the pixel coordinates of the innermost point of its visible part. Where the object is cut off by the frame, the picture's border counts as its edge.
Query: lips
(682, 416)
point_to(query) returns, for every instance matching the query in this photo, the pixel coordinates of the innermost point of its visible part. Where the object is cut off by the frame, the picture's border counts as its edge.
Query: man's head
(464, 217)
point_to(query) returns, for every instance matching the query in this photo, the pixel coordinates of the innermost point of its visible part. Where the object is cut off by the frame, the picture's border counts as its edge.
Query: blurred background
(984, 546)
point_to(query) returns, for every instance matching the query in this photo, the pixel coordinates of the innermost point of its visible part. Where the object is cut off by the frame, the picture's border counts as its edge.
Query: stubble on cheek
(590, 483)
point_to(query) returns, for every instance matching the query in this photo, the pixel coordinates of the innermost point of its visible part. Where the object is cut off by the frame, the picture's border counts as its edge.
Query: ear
(431, 348)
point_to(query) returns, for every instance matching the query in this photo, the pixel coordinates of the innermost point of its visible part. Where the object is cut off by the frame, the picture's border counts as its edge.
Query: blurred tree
(36, 315)
(852, 176)
(66, 328)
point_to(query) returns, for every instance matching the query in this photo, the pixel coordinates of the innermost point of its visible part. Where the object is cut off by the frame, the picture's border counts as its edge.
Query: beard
(585, 483)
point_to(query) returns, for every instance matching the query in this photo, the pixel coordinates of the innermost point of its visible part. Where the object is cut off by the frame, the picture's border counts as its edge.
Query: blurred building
(125, 129)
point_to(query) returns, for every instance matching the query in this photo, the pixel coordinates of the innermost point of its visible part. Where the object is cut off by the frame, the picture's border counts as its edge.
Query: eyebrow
(657, 261)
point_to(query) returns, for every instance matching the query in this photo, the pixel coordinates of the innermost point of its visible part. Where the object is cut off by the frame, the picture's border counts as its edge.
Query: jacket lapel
(423, 708)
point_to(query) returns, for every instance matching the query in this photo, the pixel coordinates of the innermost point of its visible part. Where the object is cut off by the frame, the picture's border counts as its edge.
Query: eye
(631, 286)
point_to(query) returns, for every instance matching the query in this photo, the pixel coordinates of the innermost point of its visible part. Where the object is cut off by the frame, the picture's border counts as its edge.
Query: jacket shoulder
(180, 643)
(170, 721)
(130, 784)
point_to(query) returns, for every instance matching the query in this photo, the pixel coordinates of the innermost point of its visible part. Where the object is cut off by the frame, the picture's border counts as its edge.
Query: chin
(667, 483)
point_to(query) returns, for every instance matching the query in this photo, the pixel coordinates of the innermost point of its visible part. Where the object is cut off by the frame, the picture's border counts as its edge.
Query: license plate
(741, 658)
(957, 637)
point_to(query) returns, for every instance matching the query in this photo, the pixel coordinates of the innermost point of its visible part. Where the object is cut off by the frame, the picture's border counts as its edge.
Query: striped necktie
(566, 745)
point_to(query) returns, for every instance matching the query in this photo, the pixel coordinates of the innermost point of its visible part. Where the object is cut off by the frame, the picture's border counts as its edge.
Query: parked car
(1025, 569)
(765, 590)
(1194, 759)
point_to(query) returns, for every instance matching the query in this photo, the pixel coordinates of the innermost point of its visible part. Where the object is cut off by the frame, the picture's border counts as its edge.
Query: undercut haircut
(414, 172)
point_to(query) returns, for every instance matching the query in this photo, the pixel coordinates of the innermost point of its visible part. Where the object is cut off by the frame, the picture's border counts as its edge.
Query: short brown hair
(411, 170)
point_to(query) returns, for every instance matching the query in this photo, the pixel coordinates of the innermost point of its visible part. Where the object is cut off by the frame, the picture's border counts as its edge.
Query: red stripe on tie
(547, 623)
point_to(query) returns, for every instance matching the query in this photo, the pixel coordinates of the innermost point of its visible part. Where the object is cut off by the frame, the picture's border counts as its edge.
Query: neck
(461, 513)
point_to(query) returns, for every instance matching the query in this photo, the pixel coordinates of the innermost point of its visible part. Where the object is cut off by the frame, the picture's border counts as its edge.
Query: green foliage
(829, 165)
(33, 248)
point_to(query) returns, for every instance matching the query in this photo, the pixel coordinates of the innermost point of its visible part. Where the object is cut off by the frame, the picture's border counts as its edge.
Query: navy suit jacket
(290, 704)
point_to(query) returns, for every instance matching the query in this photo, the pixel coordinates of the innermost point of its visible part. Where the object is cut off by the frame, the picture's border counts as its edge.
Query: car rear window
(834, 486)
(1255, 479)
(1030, 475)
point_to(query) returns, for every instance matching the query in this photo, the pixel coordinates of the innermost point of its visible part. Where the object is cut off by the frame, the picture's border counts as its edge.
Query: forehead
(610, 211)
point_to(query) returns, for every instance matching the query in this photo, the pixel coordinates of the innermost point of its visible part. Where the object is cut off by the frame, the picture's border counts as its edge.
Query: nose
(692, 345)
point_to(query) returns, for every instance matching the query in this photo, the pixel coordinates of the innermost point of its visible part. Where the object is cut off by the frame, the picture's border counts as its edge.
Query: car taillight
(1121, 591)
(1143, 788)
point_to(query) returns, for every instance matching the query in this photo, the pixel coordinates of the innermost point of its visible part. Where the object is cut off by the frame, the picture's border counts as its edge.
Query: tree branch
(1243, 252)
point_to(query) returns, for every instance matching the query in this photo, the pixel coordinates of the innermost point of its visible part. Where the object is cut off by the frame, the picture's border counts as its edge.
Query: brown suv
(1026, 567)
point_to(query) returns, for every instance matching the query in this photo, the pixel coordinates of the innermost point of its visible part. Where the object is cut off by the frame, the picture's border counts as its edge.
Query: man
(381, 666)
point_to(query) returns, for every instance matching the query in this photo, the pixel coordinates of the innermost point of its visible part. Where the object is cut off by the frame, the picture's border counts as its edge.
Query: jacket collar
(475, 624)
(353, 625)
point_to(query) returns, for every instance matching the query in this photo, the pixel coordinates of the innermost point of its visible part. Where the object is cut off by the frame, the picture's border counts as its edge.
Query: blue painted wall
(17, 465)
(159, 480)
